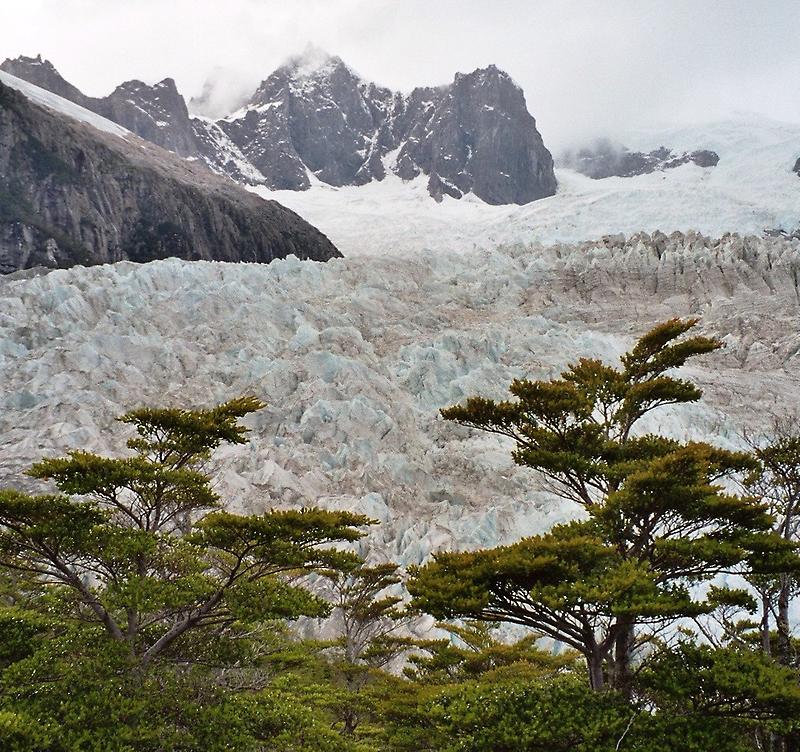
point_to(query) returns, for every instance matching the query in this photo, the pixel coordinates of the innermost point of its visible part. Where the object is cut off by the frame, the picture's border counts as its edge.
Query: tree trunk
(791, 743)
(784, 636)
(595, 663)
(623, 645)
(766, 648)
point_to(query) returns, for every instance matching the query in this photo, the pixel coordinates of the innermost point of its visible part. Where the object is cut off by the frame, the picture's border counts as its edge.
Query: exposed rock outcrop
(156, 113)
(42, 73)
(605, 159)
(315, 119)
(473, 136)
(71, 194)
(477, 136)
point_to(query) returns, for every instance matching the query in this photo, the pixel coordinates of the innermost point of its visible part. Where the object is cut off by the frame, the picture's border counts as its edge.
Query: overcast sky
(588, 68)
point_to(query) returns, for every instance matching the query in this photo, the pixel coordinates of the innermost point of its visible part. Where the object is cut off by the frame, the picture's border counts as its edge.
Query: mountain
(156, 113)
(78, 189)
(751, 190)
(605, 159)
(315, 120)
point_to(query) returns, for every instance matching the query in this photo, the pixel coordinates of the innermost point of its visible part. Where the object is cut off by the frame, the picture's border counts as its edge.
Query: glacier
(356, 356)
(752, 189)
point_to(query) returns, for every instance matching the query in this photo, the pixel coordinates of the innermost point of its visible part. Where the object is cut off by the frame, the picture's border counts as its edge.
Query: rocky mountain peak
(155, 112)
(478, 137)
(473, 135)
(315, 62)
(315, 118)
(490, 75)
(605, 158)
(315, 75)
(43, 73)
(71, 193)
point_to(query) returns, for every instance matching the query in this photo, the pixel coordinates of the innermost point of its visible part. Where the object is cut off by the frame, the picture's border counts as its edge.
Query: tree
(693, 698)
(556, 714)
(474, 650)
(723, 698)
(86, 693)
(366, 614)
(776, 481)
(658, 521)
(367, 618)
(139, 545)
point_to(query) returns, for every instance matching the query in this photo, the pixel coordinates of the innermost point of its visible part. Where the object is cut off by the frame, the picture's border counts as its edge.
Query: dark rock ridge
(605, 159)
(315, 119)
(796, 168)
(156, 113)
(71, 194)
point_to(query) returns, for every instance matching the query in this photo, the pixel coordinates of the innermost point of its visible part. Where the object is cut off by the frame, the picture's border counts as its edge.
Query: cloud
(588, 69)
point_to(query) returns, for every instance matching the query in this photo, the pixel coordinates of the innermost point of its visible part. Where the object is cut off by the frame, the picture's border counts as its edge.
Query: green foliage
(693, 699)
(367, 615)
(577, 430)
(776, 481)
(21, 632)
(179, 437)
(728, 683)
(658, 521)
(722, 699)
(21, 733)
(285, 723)
(144, 553)
(474, 651)
(95, 699)
(136, 615)
(554, 715)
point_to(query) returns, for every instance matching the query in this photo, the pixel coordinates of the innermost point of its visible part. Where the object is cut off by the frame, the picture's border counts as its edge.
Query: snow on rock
(355, 357)
(752, 189)
(63, 106)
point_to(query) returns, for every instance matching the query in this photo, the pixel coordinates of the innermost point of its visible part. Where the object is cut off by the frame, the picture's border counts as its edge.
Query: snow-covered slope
(64, 106)
(750, 190)
(355, 357)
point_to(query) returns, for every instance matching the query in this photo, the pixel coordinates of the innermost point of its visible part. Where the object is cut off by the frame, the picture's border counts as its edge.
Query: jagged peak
(134, 85)
(488, 73)
(30, 60)
(311, 69)
(315, 62)
(166, 83)
(37, 61)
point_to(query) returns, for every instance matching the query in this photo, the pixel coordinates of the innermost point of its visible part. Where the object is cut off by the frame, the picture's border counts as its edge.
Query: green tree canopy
(659, 521)
(138, 544)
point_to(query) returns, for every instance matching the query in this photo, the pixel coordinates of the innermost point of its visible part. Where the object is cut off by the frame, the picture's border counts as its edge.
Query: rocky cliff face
(156, 113)
(71, 194)
(42, 73)
(473, 136)
(321, 120)
(315, 119)
(605, 159)
(477, 136)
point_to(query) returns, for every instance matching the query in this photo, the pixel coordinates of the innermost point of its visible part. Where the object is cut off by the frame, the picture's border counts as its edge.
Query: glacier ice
(356, 356)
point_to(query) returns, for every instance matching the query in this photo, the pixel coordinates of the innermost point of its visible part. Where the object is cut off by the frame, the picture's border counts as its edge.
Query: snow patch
(63, 106)
(750, 190)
